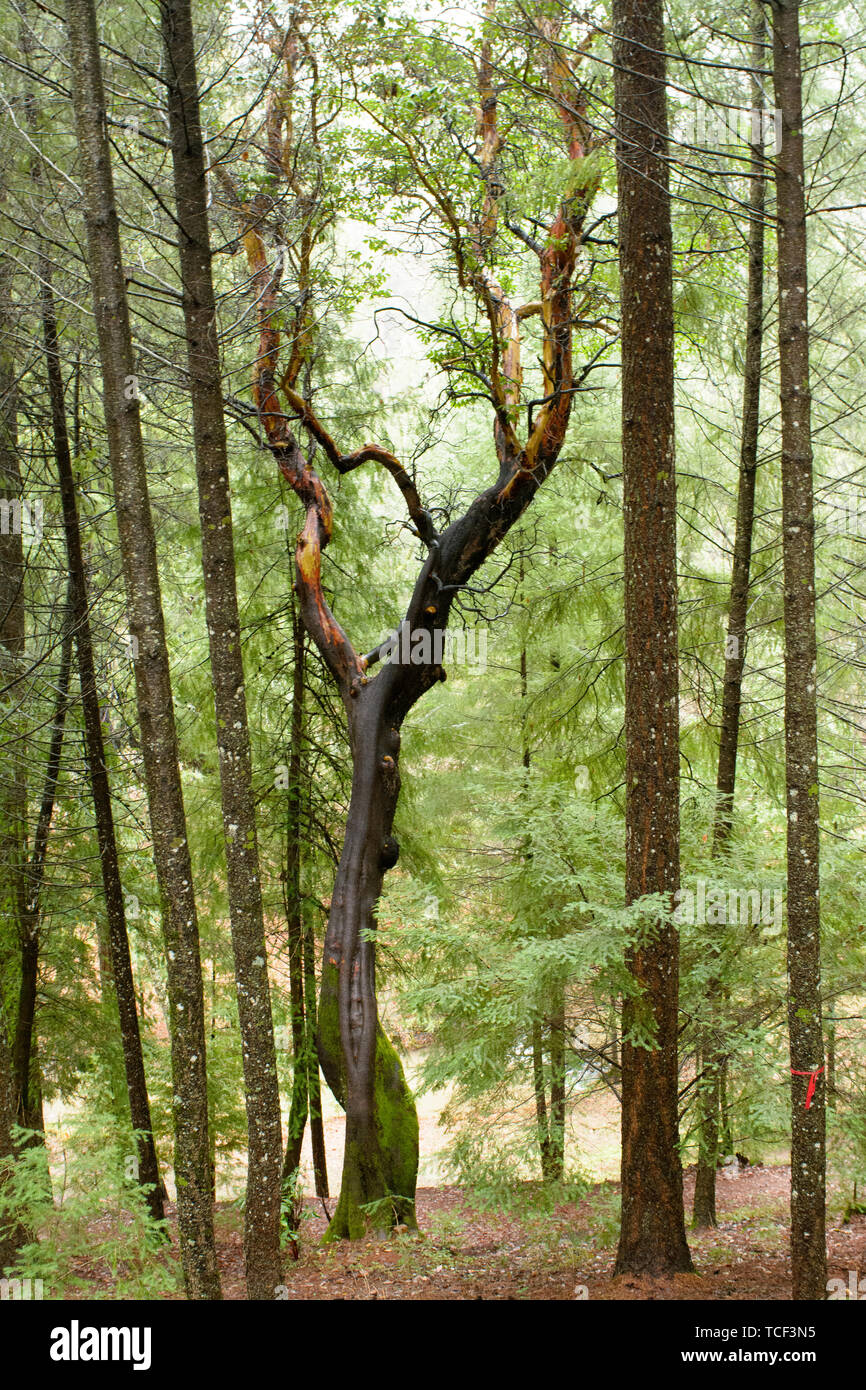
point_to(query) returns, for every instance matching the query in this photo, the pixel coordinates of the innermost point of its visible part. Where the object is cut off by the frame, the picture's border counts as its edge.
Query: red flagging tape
(813, 1082)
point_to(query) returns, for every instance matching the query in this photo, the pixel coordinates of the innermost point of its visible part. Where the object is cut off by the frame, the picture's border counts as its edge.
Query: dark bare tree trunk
(712, 1045)
(317, 1125)
(652, 1236)
(550, 1122)
(541, 1121)
(263, 1257)
(735, 647)
(808, 1091)
(13, 791)
(306, 1099)
(546, 1119)
(29, 1098)
(152, 674)
(556, 1029)
(294, 908)
(13, 782)
(708, 1062)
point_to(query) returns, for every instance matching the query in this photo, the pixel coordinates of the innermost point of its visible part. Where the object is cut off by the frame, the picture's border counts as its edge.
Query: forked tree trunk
(713, 1057)
(808, 1084)
(652, 1235)
(152, 675)
(262, 1254)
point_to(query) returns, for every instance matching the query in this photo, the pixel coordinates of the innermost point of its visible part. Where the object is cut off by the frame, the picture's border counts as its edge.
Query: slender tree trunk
(550, 1127)
(808, 1091)
(294, 910)
(29, 1105)
(726, 1127)
(541, 1122)
(12, 1233)
(306, 1085)
(735, 646)
(13, 783)
(652, 1237)
(262, 1214)
(314, 1085)
(120, 971)
(704, 1211)
(556, 1030)
(152, 675)
(712, 1049)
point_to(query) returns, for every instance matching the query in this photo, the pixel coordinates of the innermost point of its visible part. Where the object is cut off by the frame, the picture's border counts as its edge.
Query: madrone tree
(462, 191)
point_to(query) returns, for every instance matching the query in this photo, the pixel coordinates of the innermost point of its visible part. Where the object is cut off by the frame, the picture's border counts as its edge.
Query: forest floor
(466, 1252)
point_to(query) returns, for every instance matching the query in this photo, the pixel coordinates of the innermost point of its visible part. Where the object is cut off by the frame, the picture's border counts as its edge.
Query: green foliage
(94, 1237)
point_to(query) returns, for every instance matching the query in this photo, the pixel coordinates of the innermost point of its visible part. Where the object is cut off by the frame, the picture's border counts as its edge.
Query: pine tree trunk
(808, 1117)
(652, 1236)
(263, 1199)
(712, 1050)
(152, 676)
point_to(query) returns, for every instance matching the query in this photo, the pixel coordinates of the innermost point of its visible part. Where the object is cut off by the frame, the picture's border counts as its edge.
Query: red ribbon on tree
(813, 1082)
